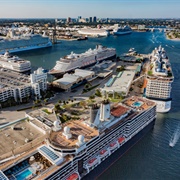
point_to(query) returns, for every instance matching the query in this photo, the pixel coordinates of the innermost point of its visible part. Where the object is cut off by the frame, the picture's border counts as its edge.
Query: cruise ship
(28, 41)
(39, 148)
(14, 63)
(89, 58)
(94, 32)
(122, 30)
(157, 85)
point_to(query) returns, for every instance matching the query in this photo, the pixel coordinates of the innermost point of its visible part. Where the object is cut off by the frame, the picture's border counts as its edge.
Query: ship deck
(139, 103)
(76, 128)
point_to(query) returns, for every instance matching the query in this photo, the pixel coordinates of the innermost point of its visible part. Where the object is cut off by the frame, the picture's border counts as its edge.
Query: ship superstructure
(72, 150)
(159, 80)
(88, 58)
(14, 63)
(17, 43)
(122, 30)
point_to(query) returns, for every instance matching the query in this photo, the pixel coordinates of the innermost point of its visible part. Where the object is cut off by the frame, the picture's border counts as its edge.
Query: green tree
(98, 93)
(86, 86)
(150, 73)
(82, 104)
(91, 97)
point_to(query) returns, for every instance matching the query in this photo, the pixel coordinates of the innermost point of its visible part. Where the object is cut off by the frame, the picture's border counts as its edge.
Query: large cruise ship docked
(94, 32)
(122, 30)
(89, 58)
(14, 63)
(29, 41)
(40, 148)
(159, 80)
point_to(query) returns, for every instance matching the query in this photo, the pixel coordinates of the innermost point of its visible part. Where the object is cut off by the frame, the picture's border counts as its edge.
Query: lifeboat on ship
(103, 153)
(73, 176)
(92, 162)
(113, 145)
(121, 140)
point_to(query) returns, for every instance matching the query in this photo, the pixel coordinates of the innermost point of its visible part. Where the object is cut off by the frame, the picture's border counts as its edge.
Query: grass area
(115, 100)
(90, 88)
(46, 111)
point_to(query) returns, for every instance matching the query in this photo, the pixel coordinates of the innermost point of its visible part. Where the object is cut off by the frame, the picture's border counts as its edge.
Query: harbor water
(157, 155)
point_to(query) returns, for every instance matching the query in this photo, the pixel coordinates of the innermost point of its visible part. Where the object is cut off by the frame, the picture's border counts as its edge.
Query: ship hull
(99, 170)
(122, 33)
(15, 70)
(49, 44)
(60, 74)
(162, 106)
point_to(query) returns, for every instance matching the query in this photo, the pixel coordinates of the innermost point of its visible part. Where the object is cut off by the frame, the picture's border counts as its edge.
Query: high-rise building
(94, 19)
(79, 17)
(68, 20)
(22, 86)
(90, 19)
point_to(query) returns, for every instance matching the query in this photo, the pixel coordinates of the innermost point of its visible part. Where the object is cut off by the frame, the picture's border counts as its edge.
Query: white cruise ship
(90, 57)
(159, 79)
(14, 63)
(77, 149)
(94, 32)
(14, 43)
(122, 30)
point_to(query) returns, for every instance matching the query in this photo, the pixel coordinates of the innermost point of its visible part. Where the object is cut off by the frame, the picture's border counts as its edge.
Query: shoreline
(173, 38)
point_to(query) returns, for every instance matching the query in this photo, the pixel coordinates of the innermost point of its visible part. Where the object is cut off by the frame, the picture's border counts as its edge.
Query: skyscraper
(68, 20)
(90, 19)
(79, 17)
(94, 19)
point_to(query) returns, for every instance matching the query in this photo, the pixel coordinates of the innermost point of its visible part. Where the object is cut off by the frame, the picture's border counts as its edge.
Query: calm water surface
(152, 158)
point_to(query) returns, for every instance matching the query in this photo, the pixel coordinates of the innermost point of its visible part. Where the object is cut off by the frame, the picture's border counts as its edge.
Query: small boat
(82, 38)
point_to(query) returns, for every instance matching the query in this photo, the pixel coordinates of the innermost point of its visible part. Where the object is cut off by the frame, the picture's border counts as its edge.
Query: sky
(90, 8)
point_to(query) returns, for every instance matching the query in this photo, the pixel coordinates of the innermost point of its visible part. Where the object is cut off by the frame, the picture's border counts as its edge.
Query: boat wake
(152, 41)
(174, 139)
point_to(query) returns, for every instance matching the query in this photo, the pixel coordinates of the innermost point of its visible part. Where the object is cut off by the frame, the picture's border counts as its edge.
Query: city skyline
(85, 8)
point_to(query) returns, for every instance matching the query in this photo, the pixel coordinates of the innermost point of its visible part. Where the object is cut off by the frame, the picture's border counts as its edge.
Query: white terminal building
(69, 81)
(120, 83)
(20, 86)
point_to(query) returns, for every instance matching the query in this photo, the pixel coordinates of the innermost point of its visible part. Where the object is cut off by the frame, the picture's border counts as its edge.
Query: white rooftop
(71, 78)
(83, 73)
(121, 84)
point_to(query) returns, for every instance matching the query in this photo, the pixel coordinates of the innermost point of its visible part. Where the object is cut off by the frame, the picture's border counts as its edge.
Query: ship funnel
(12, 33)
(93, 113)
(32, 31)
(105, 111)
(67, 132)
(44, 34)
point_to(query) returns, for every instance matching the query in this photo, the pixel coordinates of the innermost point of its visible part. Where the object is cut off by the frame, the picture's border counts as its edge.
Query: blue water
(24, 174)
(137, 104)
(152, 158)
